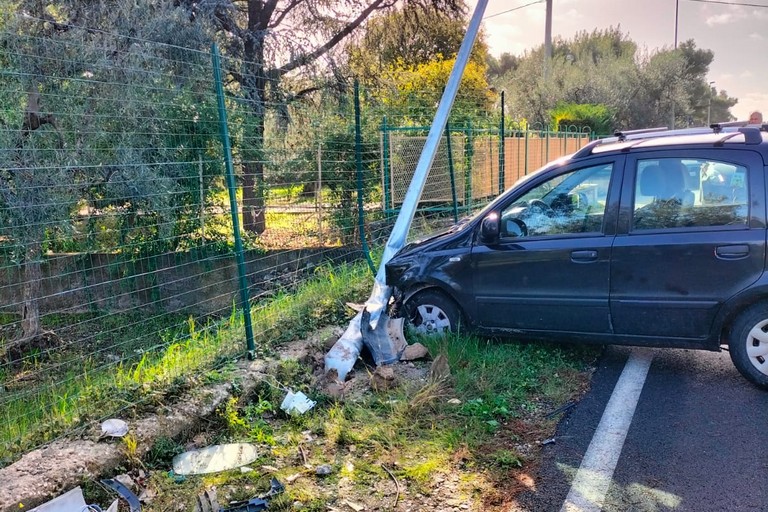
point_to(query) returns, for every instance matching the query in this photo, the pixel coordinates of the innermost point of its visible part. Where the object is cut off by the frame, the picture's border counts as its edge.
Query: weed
(163, 450)
(506, 459)
(131, 450)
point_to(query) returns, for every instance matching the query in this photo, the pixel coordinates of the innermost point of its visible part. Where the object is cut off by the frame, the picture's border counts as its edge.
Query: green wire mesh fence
(118, 280)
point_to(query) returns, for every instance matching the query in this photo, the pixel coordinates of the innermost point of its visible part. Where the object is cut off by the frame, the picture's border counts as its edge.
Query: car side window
(570, 203)
(683, 192)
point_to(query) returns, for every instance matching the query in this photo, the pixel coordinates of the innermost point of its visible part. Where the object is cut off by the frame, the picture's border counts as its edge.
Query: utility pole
(548, 40)
(671, 96)
(709, 104)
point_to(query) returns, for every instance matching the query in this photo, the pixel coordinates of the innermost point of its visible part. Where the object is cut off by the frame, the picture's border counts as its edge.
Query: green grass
(80, 385)
(505, 391)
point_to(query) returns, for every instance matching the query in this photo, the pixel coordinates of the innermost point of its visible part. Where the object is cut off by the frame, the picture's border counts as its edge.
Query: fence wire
(118, 281)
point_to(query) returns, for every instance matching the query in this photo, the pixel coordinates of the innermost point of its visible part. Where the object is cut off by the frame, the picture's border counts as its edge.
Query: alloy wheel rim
(433, 320)
(757, 346)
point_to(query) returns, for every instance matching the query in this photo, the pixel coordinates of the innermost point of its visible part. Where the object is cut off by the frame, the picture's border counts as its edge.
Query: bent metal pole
(343, 354)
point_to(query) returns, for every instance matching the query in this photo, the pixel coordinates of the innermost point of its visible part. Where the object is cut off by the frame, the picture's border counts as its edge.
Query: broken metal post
(344, 353)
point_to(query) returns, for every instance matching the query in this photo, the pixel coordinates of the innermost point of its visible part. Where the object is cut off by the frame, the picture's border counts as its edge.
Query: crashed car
(651, 238)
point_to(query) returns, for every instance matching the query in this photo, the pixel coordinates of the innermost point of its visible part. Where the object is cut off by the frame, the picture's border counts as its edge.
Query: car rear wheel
(748, 344)
(431, 312)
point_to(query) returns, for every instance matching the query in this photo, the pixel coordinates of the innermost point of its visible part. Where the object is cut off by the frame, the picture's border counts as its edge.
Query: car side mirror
(489, 228)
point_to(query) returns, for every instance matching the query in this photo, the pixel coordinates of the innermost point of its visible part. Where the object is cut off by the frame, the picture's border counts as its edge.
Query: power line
(764, 6)
(510, 10)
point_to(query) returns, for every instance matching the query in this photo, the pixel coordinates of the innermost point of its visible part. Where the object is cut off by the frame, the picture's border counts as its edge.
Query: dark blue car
(656, 238)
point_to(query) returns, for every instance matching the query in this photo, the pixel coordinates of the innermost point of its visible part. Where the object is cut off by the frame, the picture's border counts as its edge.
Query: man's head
(756, 118)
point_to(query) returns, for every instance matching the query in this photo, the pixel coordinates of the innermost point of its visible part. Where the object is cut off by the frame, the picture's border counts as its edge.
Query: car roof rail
(586, 149)
(733, 128)
(621, 135)
(718, 127)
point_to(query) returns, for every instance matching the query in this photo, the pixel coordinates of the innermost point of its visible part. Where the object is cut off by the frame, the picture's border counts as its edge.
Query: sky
(736, 34)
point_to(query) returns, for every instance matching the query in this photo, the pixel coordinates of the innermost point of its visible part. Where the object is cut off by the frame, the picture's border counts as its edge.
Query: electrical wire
(513, 9)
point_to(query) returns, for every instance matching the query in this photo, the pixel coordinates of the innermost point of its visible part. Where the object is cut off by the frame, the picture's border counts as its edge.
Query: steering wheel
(538, 204)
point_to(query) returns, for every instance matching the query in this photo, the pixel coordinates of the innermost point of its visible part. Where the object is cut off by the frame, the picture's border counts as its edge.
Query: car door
(549, 269)
(679, 254)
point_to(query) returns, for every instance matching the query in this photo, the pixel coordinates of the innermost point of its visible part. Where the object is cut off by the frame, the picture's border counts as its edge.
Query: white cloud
(756, 37)
(746, 74)
(749, 102)
(721, 19)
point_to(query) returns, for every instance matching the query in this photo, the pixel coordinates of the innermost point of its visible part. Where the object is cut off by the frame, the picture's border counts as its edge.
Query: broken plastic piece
(125, 493)
(296, 403)
(71, 500)
(345, 351)
(385, 342)
(214, 458)
(206, 502)
(114, 428)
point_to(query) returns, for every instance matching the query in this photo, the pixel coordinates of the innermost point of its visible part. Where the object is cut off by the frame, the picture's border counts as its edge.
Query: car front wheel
(431, 312)
(748, 344)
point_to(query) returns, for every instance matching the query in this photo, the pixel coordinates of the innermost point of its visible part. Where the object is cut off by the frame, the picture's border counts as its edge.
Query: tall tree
(87, 124)
(273, 39)
(605, 67)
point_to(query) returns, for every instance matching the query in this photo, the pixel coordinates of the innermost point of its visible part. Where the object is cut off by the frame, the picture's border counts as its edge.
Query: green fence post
(502, 179)
(470, 153)
(387, 181)
(359, 165)
(452, 172)
(224, 132)
(526, 150)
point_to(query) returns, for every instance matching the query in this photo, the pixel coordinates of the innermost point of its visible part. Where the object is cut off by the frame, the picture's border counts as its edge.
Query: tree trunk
(254, 220)
(30, 310)
(255, 89)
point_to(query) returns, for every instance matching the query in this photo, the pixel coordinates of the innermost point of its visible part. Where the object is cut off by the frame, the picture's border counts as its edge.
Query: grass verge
(146, 361)
(462, 430)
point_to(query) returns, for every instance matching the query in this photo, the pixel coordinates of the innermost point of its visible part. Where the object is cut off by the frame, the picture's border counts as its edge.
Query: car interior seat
(668, 192)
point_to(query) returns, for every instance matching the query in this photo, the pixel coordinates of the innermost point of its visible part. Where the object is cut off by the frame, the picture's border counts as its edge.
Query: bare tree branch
(285, 12)
(306, 58)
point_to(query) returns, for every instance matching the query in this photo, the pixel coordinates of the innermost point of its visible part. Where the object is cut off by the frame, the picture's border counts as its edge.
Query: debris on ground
(114, 428)
(207, 501)
(213, 459)
(124, 492)
(414, 351)
(296, 403)
(383, 378)
(385, 342)
(71, 501)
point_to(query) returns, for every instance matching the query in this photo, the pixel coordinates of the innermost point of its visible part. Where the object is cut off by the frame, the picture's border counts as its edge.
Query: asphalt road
(697, 441)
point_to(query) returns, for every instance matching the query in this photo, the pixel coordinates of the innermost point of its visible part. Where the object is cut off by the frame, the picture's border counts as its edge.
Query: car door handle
(732, 252)
(583, 256)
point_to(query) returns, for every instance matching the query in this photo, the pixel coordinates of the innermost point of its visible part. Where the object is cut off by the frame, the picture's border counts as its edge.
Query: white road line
(594, 476)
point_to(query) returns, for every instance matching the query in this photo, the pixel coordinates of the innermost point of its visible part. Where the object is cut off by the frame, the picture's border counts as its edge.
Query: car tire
(431, 312)
(748, 344)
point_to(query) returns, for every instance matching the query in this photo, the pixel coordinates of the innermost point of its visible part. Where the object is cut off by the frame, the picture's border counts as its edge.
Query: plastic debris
(125, 493)
(70, 501)
(207, 501)
(114, 428)
(213, 459)
(296, 403)
(386, 342)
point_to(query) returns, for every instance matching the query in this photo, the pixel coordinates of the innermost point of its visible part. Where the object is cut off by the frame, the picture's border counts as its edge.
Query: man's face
(755, 118)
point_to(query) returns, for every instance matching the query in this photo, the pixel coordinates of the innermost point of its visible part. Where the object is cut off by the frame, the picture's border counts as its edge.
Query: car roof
(734, 135)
